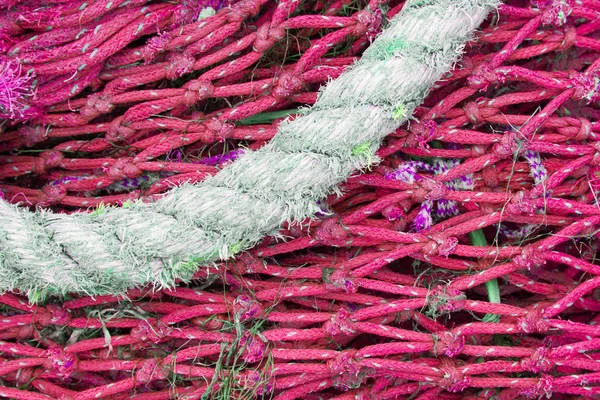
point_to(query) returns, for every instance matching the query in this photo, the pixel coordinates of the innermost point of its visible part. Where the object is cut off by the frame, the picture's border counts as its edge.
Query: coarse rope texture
(391, 295)
(121, 248)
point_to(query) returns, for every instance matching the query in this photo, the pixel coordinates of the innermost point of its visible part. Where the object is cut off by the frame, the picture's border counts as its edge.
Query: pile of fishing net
(464, 265)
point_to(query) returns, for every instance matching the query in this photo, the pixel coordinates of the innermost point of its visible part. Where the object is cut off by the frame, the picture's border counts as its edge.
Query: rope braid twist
(108, 252)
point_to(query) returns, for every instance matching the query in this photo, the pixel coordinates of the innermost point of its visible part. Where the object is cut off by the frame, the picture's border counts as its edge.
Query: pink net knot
(97, 104)
(253, 347)
(154, 45)
(393, 213)
(117, 131)
(332, 233)
(287, 84)
(490, 177)
(423, 132)
(520, 204)
(26, 332)
(596, 159)
(542, 388)
(508, 147)
(473, 113)
(555, 12)
(246, 308)
(340, 279)
(257, 382)
(123, 168)
(46, 161)
(60, 361)
(51, 195)
(267, 36)
(33, 135)
(150, 330)
(222, 130)
(197, 91)
(243, 10)
(252, 263)
(532, 322)
(339, 325)
(569, 39)
(453, 380)
(538, 361)
(429, 190)
(530, 259)
(448, 343)
(346, 371)
(367, 22)
(587, 86)
(59, 315)
(444, 299)
(151, 370)
(181, 64)
(585, 128)
(441, 245)
(483, 75)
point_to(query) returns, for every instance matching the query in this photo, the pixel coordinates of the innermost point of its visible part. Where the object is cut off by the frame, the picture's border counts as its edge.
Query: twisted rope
(115, 249)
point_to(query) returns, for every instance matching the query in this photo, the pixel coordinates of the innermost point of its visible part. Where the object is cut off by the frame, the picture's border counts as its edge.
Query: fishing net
(463, 265)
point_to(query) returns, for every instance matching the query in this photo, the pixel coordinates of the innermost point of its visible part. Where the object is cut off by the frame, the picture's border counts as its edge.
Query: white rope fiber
(44, 253)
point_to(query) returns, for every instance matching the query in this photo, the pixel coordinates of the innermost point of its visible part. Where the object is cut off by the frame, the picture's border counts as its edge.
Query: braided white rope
(108, 252)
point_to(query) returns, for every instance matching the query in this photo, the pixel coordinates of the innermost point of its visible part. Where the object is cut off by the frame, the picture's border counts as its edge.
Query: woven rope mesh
(464, 265)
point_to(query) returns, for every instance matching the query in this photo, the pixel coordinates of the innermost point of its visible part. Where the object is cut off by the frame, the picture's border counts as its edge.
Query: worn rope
(116, 249)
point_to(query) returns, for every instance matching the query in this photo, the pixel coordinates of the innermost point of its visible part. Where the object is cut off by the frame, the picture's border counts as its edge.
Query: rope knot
(197, 91)
(367, 22)
(253, 347)
(587, 86)
(245, 308)
(448, 343)
(538, 361)
(490, 177)
(585, 128)
(123, 168)
(154, 45)
(149, 330)
(332, 233)
(59, 315)
(97, 104)
(423, 132)
(473, 113)
(444, 299)
(429, 190)
(441, 245)
(266, 37)
(346, 370)
(530, 259)
(555, 12)
(508, 146)
(221, 129)
(393, 213)
(532, 322)
(453, 380)
(520, 204)
(151, 370)
(117, 131)
(483, 75)
(287, 84)
(60, 361)
(339, 324)
(256, 382)
(243, 10)
(46, 161)
(51, 195)
(596, 159)
(569, 39)
(32, 135)
(542, 388)
(339, 279)
(181, 64)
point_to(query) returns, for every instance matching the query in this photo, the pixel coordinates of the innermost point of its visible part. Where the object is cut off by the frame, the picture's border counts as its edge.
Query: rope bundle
(462, 266)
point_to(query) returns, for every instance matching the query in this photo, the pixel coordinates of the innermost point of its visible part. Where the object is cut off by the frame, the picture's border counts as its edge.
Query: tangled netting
(462, 266)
